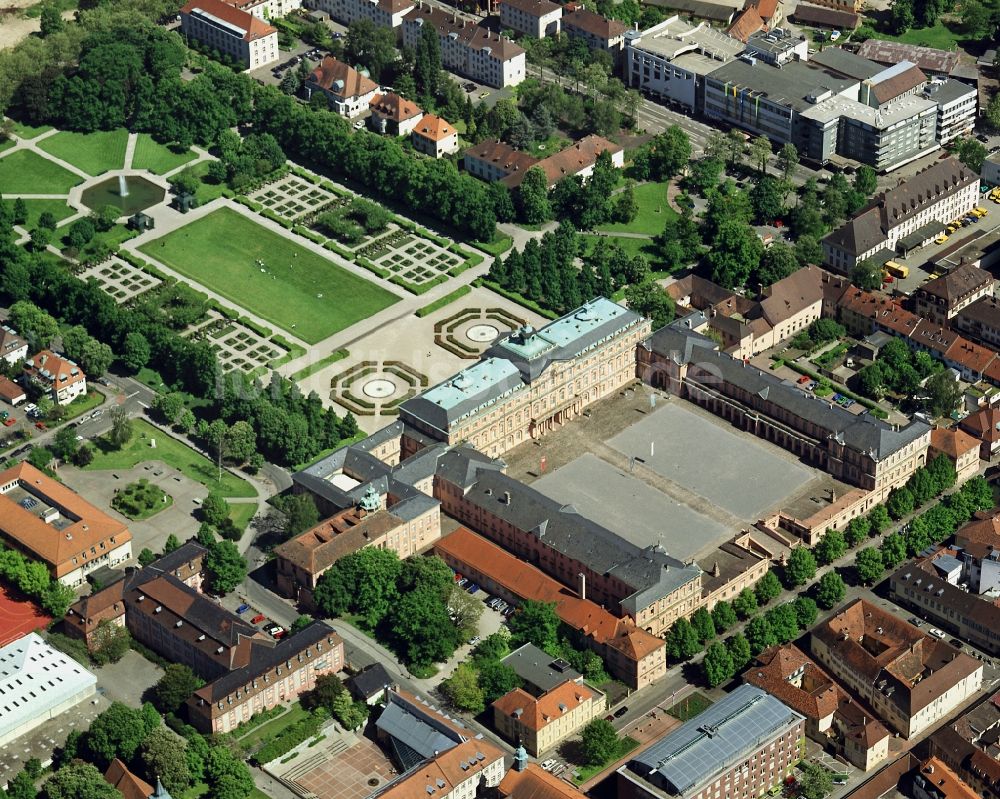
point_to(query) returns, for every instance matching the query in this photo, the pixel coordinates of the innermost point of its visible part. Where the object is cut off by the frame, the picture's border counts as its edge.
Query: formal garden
(140, 500)
(371, 388)
(269, 275)
(122, 280)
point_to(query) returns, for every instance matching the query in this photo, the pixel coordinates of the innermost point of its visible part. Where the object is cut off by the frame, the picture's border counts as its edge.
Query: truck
(897, 270)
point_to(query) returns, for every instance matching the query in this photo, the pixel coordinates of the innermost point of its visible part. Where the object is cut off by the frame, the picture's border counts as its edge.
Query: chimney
(582, 582)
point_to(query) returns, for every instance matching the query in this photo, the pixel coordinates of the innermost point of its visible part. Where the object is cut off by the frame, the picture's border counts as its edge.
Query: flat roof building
(37, 683)
(708, 751)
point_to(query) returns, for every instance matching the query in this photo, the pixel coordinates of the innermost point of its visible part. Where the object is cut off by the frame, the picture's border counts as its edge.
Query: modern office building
(530, 382)
(51, 523)
(742, 746)
(37, 683)
(671, 60)
(239, 34)
(910, 679)
(467, 47)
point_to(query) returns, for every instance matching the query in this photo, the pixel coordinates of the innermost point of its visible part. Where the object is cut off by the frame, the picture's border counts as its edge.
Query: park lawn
(274, 727)
(206, 192)
(26, 172)
(301, 292)
(94, 153)
(633, 247)
(939, 35)
(690, 706)
(241, 513)
(653, 211)
(25, 131)
(6, 144)
(172, 452)
(58, 208)
(157, 158)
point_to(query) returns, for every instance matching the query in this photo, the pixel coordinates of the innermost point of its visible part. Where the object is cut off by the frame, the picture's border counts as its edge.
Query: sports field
(18, 616)
(94, 153)
(299, 291)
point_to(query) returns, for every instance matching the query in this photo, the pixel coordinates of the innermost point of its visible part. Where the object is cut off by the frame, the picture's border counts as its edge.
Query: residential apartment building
(743, 745)
(383, 13)
(348, 91)
(60, 377)
(957, 446)
(530, 382)
(984, 426)
(221, 26)
(671, 60)
(498, 161)
(631, 654)
(910, 679)
(921, 205)
(468, 48)
(303, 559)
(980, 320)
(599, 33)
(940, 300)
(963, 746)
(393, 114)
(748, 327)
(832, 717)
(48, 522)
(267, 9)
(434, 136)
(860, 450)
(13, 348)
(936, 781)
(958, 108)
(534, 18)
(465, 771)
(540, 723)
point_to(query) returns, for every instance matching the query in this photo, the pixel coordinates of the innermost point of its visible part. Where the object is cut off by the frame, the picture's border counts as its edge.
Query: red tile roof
(394, 107)
(952, 442)
(594, 24)
(766, 8)
(537, 712)
(128, 784)
(253, 27)
(985, 424)
(9, 390)
(49, 368)
(434, 128)
(534, 783)
(351, 82)
(746, 23)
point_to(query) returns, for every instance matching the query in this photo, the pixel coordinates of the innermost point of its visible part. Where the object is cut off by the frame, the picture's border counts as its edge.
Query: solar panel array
(715, 740)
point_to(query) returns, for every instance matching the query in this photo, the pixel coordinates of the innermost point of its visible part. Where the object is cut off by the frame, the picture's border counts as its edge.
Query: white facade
(270, 9)
(384, 13)
(956, 110)
(434, 137)
(534, 18)
(231, 32)
(37, 683)
(110, 558)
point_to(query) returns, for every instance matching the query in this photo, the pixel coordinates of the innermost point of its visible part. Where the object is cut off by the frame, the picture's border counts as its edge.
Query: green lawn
(690, 706)
(94, 153)
(653, 211)
(84, 404)
(155, 157)
(6, 144)
(301, 292)
(25, 172)
(940, 35)
(321, 364)
(175, 454)
(632, 246)
(552, 145)
(36, 208)
(207, 192)
(23, 131)
(625, 745)
(241, 513)
(274, 727)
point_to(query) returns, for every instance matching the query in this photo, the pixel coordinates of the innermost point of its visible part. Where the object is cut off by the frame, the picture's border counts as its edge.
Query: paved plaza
(746, 477)
(120, 279)
(347, 766)
(634, 510)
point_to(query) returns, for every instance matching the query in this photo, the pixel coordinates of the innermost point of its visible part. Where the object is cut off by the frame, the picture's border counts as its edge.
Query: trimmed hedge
(515, 297)
(443, 301)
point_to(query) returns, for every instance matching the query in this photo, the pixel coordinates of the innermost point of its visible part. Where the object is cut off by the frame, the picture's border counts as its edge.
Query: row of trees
(413, 604)
(908, 373)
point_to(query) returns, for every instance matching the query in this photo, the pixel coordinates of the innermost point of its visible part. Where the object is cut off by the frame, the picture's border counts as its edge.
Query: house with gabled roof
(539, 723)
(434, 136)
(348, 90)
(60, 377)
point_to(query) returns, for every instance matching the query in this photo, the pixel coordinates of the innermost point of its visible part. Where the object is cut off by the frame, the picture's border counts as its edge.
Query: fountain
(136, 195)
(122, 186)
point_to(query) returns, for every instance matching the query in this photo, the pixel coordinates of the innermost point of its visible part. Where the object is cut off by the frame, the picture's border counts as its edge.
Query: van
(897, 270)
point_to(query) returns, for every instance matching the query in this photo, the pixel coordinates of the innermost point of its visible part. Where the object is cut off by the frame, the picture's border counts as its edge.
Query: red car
(258, 618)
(803, 379)
(10, 420)
(41, 425)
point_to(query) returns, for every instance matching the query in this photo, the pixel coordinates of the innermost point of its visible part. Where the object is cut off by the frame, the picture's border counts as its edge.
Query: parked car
(462, 582)
(474, 640)
(936, 633)
(258, 619)
(621, 711)
(458, 576)
(10, 420)
(609, 717)
(548, 764)
(803, 379)
(41, 425)
(956, 643)
(276, 631)
(242, 609)
(472, 588)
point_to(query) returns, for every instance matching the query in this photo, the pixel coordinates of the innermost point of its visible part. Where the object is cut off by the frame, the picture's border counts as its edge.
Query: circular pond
(380, 388)
(138, 195)
(482, 333)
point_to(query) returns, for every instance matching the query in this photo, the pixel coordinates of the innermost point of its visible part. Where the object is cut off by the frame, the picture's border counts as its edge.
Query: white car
(834, 35)
(936, 632)
(548, 764)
